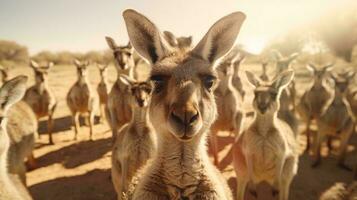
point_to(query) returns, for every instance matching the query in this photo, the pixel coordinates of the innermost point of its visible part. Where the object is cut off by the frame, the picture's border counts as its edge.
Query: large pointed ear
(77, 62)
(284, 79)
(145, 37)
(252, 79)
(128, 81)
(185, 41)
(328, 67)
(170, 38)
(12, 91)
(311, 67)
(34, 64)
(111, 43)
(220, 38)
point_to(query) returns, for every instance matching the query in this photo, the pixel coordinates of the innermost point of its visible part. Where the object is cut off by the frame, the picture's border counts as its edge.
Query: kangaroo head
(267, 94)
(179, 42)
(102, 70)
(320, 74)
(41, 71)
(284, 63)
(140, 91)
(342, 80)
(81, 68)
(123, 55)
(182, 103)
(11, 92)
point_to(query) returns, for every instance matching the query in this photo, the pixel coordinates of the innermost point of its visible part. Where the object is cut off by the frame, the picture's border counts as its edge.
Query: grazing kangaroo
(118, 110)
(182, 109)
(237, 81)
(267, 150)
(229, 103)
(11, 92)
(335, 121)
(102, 90)
(178, 42)
(40, 97)
(135, 143)
(314, 100)
(81, 99)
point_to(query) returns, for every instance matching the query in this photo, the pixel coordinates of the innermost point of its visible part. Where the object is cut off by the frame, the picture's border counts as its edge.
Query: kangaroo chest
(336, 117)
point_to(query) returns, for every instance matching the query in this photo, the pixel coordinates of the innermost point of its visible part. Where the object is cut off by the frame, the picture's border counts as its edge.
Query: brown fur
(182, 109)
(102, 90)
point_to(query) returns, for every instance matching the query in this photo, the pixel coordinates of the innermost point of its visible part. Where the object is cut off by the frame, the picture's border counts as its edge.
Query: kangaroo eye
(209, 81)
(159, 82)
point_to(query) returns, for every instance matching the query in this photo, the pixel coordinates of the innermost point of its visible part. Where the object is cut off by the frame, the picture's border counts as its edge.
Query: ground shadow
(94, 185)
(77, 154)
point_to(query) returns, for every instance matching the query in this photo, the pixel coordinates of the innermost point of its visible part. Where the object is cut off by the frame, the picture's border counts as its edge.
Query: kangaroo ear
(220, 38)
(284, 79)
(311, 67)
(170, 38)
(34, 64)
(328, 67)
(145, 37)
(77, 63)
(111, 43)
(252, 79)
(128, 81)
(12, 91)
(277, 55)
(293, 56)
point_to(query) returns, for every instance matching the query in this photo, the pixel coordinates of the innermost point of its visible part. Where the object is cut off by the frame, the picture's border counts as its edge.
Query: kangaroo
(264, 76)
(118, 109)
(283, 63)
(136, 140)
(267, 150)
(40, 97)
(182, 109)
(4, 71)
(11, 92)
(229, 103)
(315, 98)
(81, 99)
(102, 89)
(335, 121)
(178, 42)
(237, 82)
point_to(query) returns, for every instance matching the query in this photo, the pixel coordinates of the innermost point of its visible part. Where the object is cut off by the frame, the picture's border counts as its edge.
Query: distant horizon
(80, 26)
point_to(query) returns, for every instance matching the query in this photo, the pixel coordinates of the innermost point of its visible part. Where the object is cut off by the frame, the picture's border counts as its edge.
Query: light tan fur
(178, 42)
(10, 93)
(182, 109)
(118, 109)
(4, 71)
(40, 97)
(102, 90)
(136, 142)
(341, 191)
(81, 99)
(335, 121)
(267, 150)
(315, 99)
(229, 103)
(236, 81)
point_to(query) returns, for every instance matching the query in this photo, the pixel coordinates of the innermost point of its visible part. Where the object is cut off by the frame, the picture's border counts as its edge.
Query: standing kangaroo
(102, 90)
(335, 121)
(267, 150)
(236, 80)
(11, 92)
(81, 99)
(182, 109)
(315, 99)
(229, 103)
(118, 109)
(40, 97)
(135, 143)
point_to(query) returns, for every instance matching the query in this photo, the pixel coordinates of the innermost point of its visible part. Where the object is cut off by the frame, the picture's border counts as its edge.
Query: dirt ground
(80, 170)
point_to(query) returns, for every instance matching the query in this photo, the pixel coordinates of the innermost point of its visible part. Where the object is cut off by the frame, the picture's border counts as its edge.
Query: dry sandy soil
(81, 169)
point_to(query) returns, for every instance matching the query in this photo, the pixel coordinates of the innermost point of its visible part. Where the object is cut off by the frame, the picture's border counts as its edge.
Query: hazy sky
(80, 25)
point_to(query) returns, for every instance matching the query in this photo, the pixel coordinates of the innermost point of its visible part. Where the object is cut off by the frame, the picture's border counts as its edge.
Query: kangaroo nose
(185, 117)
